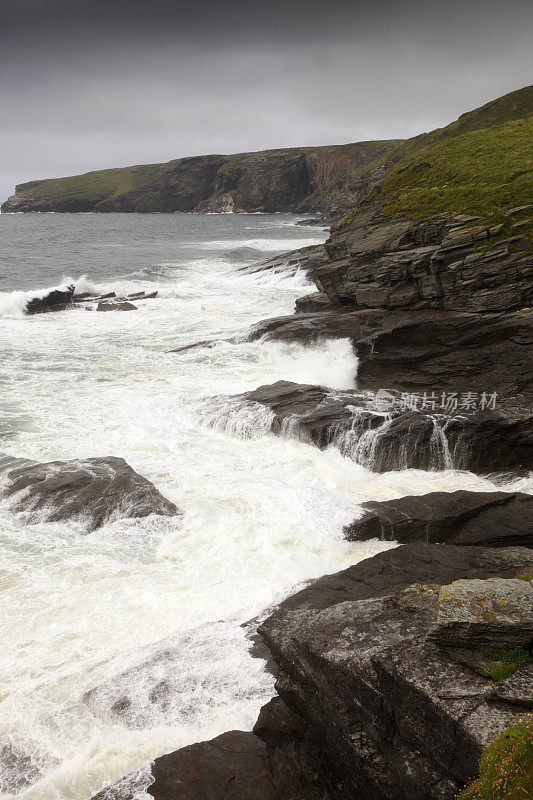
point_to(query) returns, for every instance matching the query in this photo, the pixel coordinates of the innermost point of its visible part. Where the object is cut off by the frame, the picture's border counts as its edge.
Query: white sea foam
(265, 245)
(13, 304)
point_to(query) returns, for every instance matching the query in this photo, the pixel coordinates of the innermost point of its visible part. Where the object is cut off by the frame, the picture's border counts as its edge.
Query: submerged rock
(93, 490)
(492, 519)
(22, 763)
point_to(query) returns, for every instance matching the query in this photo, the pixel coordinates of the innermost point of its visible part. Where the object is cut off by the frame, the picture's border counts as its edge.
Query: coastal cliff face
(320, 179)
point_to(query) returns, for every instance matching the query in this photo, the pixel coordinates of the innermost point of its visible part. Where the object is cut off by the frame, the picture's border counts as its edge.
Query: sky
(90, 84)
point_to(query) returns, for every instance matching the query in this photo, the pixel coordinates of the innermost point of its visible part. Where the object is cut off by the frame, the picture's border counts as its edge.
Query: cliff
(449, 225)
(319, 179)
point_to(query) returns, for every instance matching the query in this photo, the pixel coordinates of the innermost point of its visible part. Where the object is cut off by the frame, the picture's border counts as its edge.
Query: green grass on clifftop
(482, 172)
(517, 105)
(95, 186)
(506, 767)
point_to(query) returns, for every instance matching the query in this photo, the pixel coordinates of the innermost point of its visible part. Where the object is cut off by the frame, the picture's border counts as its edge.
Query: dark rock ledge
(484, 442)
(379, 694)
(491, 519)
(92, 491)
(65, 298)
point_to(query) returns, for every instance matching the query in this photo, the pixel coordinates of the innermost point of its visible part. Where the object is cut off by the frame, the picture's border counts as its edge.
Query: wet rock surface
(350, 649)
(491, 519)
(55, 300)
(304, 259)
(93, 490)
(234, 766)
(400, 438)
(65, 298)
(475, 367)
(386, 712)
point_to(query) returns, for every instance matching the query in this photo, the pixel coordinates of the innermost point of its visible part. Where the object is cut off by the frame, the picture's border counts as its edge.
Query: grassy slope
(481, 172)
(95, 186)
(513, 106)
(480, 164)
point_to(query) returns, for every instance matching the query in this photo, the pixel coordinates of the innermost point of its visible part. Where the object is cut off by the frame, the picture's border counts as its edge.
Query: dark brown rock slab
(491, 519)
(234, 766)
(398, 568)
(93, 491)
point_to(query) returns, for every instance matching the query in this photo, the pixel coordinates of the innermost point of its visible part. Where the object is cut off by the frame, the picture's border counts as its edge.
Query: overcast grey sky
(89, 84)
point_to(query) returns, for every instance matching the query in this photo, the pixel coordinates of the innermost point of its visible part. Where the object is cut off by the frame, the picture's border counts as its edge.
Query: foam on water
(127, 643)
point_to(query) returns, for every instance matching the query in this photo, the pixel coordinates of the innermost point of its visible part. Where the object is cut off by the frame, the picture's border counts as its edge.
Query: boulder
(495, 612)
(93, 491)
(492, 519)
(124, 306)
(55, 300)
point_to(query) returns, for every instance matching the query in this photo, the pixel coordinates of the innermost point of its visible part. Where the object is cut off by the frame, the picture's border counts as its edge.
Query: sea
(131, 641)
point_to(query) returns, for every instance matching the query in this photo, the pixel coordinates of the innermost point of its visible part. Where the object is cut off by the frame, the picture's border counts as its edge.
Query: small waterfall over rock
(240, 418)
(379, 440)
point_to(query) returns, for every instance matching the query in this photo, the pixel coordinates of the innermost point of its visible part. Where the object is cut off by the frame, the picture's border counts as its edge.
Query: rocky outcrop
(296, 179)
(379, 436)
(474, 368)
(369, 632)
(394, 570)
(491, 519)
(65, 297)
(386, 711)
(445, 261)
(305, 259)
(234, 766)
(93, 491)
(55, 300)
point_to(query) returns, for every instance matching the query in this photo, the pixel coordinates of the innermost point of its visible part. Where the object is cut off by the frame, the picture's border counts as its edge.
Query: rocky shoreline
(384, 691)
(386, 688)
(394, 675)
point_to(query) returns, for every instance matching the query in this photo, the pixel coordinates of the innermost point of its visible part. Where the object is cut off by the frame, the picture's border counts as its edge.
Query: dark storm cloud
(86, 85)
